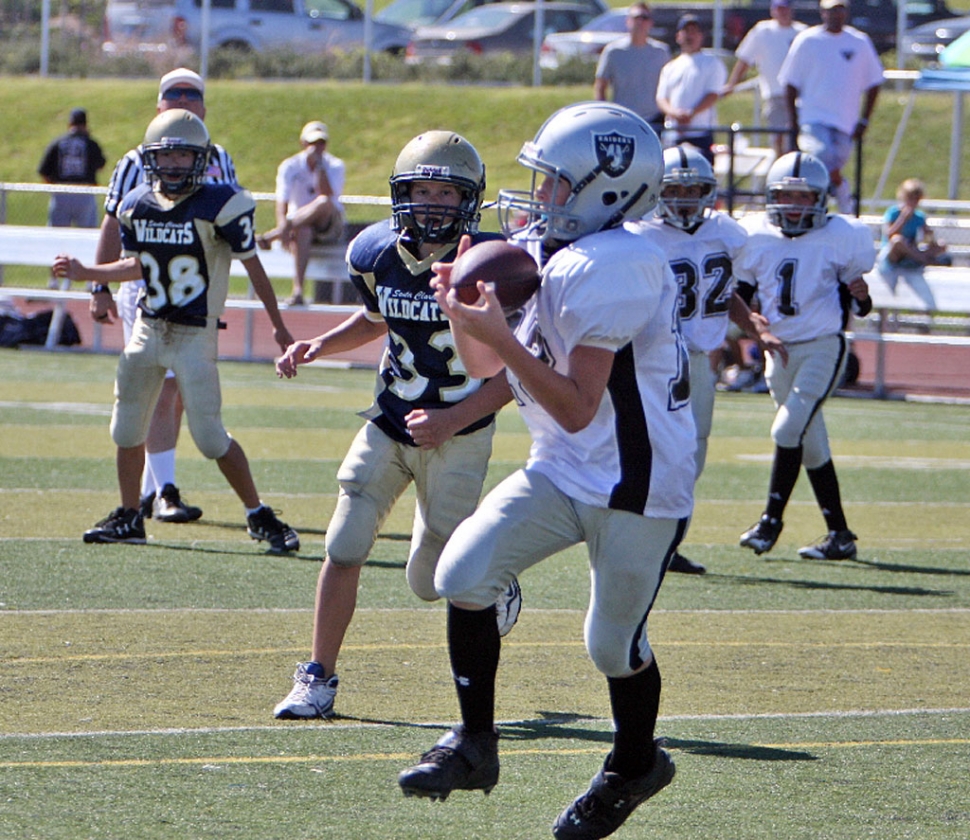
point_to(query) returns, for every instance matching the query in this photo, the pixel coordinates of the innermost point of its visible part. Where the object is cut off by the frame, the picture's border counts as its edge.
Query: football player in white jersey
(806, 267)
(701, 244)
(180, 235)
(598, 368)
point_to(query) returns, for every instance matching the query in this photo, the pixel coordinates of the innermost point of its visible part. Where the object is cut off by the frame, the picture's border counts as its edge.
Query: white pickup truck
(315, 26)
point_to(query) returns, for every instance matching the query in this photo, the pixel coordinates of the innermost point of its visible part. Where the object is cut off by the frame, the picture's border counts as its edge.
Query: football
(512, 270)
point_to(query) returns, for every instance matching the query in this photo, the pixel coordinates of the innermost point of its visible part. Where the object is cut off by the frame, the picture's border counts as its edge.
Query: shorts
(527, 518)
(191, 352)
(774, 112)
(829, 145)
(331, 232)
(375, 473)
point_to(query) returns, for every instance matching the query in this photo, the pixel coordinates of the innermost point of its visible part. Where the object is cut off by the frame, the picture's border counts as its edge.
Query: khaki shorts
(527, 518)
(331, 233)
(375, 473)
(190, 352)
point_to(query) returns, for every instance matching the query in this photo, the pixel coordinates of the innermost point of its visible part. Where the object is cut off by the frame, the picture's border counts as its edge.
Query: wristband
(100, 289)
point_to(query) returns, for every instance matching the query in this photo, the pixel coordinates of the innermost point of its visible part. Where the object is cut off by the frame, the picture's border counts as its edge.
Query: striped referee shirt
(129, 172)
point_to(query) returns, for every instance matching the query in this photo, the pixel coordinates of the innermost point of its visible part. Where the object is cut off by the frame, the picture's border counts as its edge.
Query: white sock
(162, 467)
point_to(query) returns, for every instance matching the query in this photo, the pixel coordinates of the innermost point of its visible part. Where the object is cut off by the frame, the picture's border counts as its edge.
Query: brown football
(512, 270)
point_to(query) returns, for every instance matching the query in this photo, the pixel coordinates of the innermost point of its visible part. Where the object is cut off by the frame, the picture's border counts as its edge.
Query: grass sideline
(802, 699)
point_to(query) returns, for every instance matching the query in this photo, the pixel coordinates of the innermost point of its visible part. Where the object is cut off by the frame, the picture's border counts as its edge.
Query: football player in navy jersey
(599, 370)
(431, 422)
(180, 235)
(807, 268)
(160, 496)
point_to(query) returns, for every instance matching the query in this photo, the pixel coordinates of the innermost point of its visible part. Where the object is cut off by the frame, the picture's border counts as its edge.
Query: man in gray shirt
(631, 65)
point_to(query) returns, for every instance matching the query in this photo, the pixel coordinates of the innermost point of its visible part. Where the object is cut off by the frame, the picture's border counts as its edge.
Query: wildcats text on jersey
(166, 233)
(399, 303)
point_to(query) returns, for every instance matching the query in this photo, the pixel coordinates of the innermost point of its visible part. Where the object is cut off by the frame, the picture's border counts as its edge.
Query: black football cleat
(763, 535)
(263, 525)
(611, 799)
(459, 761)
(169, 506)
(119, 526)
(686, 566)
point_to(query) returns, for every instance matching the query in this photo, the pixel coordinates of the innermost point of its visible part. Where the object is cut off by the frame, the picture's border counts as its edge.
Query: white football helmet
(437, 156)
(608, 157)
(176, 130)
(799, 172)
(685, 166)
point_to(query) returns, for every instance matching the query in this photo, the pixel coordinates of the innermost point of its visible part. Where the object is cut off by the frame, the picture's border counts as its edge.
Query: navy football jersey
(420, 368)
(186, 246)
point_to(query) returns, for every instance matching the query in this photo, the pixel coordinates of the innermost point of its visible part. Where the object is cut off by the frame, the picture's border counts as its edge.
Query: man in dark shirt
(73, 158)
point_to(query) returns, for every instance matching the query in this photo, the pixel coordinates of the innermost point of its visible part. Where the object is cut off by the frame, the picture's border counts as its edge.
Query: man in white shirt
(765, 47)
(827, 70)
(688, 90)
(308, 208)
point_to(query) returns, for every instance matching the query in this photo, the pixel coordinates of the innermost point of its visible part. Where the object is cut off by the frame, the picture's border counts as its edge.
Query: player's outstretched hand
(431, 427)
(66, 266)
(297, 353)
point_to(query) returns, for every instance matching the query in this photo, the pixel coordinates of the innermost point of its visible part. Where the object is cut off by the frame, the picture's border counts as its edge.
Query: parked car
(415, 13)
(303, 25)
(927, 41)
(877, 18)
(495, 27)
(586, 42)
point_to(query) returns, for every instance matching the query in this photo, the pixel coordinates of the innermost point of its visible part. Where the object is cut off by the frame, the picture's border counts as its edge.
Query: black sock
(784, 473)
(635, 702)
(474, 646)
(825, 485)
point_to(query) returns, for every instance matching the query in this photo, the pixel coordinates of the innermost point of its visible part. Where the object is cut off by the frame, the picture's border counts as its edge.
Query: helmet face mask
(437, 157)
(594, 165)
(173, 131)
(689, 188)
(793, 174)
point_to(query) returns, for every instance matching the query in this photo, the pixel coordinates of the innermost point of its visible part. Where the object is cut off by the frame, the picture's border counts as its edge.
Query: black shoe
(763, 535)
(263, 525)
(458, 761)
(119, 526)
(169, 506)
(679, 563)
(835, 545)
(610, 800)
(147, 505)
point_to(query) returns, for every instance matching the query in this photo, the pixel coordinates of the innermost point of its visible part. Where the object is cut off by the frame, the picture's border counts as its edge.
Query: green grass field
(802, 699)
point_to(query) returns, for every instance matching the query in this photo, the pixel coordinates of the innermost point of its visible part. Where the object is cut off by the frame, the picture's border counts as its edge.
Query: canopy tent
(952, 76)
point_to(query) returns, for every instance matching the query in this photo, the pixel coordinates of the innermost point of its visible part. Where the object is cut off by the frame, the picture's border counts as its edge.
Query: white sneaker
(310, 697)
(508, 607)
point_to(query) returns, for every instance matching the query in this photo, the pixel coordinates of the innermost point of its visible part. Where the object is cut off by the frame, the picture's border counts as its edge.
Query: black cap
(687, 19)
(78, 117)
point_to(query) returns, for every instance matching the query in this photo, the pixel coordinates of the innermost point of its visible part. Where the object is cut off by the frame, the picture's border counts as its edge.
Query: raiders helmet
(685, 166)
(437, 156)
(607, 159)
(174, 130)
(803, 173)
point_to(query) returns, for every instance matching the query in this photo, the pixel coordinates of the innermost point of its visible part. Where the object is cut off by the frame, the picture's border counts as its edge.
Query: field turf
(802, 699)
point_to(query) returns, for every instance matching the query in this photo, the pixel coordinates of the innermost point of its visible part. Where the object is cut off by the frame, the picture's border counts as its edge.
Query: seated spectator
(908, 243)
(308, 208)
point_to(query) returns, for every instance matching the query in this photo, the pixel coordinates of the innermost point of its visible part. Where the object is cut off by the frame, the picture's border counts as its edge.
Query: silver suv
(302, 25)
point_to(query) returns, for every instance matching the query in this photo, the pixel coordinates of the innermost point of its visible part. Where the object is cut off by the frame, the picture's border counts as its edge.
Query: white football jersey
(614, 290)
(798, 278)
(702, 263)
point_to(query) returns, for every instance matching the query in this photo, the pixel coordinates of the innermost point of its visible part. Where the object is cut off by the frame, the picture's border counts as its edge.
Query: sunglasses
(176, 93)
(641, 17)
